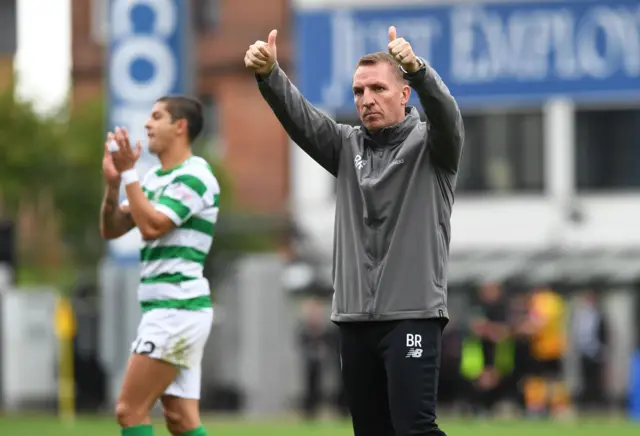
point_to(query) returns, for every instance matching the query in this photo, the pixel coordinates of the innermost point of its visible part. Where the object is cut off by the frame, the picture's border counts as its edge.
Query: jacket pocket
(440, 271)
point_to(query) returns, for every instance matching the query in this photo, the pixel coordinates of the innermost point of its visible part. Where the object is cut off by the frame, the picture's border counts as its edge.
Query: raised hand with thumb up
(262, 56)
(402, 51)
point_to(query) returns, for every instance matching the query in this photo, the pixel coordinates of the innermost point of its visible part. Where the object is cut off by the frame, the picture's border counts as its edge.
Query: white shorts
(178, 337)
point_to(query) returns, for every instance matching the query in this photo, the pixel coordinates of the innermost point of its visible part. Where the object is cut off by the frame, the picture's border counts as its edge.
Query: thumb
(392, 33)
(272, 38)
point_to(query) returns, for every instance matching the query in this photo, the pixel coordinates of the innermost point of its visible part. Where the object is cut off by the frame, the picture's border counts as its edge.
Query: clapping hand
(124, 157)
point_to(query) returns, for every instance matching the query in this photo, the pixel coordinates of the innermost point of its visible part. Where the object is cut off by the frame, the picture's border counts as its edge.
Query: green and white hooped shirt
(172, 265)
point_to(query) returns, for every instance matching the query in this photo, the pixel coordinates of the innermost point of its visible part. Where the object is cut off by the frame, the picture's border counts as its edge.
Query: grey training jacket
(395, 192)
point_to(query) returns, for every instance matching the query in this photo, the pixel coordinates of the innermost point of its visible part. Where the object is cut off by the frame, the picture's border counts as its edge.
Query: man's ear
(406, 94)
(182, 126)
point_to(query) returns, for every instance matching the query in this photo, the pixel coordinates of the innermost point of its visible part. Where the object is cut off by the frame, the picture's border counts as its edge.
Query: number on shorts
(144, 348)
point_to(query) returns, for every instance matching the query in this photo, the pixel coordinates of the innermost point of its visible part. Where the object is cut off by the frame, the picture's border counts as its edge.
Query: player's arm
(481, 327)
(186, 195)
(446, 133)
(151, 223)
(115, 220)
(446, 129)
(314, 132)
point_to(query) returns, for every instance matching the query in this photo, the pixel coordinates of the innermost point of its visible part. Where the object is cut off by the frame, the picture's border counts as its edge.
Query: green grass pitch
(85, 426)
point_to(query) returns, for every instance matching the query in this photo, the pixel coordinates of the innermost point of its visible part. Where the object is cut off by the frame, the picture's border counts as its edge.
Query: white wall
(610, 220)
(517, 222)
(312, 200)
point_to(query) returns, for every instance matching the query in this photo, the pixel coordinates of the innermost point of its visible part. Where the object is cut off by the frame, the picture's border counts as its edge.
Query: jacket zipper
(376, 172)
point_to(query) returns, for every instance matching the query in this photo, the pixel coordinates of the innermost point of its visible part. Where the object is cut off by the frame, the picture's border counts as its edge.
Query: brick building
(8, 33)
(256, 158)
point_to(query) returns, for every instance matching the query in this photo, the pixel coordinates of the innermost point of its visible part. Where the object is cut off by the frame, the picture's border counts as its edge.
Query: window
(503, 152)
(8, 27)
(607, 149)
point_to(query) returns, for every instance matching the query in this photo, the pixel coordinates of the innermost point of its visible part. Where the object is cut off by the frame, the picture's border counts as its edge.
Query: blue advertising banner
(485, 53)
(148, 57)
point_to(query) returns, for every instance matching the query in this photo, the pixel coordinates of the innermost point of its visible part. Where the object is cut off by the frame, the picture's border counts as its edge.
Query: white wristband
(129, 176)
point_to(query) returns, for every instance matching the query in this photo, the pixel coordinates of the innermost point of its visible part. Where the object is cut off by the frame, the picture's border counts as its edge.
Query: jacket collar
(396, 134)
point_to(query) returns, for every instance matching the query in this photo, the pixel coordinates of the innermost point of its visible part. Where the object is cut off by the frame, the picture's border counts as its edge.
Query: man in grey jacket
(396, 180)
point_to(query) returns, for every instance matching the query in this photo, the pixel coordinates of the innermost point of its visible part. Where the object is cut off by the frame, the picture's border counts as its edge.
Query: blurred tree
(28, 160)
(51, 184)
(79, 184)
(28, 150)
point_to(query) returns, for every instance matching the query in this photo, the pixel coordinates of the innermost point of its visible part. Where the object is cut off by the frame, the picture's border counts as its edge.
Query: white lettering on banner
(133, 98)
(152, 50)
(622, 38)
(534, 45)
(136, 97)
(164, 21)
(352, 39)
(488, 44)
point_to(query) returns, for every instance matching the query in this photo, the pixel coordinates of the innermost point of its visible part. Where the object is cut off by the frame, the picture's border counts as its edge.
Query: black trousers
(390, 371)
(484, 400)
(312, 388)
(593, 393)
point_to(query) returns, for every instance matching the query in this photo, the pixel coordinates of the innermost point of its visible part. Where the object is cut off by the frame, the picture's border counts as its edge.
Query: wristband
(129, 176)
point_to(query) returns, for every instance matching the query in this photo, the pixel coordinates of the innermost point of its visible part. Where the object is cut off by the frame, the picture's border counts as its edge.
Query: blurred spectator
(90, 378)
(487, 353)
(317, 346)
(589, 331)
(545, 390)
(519, 322)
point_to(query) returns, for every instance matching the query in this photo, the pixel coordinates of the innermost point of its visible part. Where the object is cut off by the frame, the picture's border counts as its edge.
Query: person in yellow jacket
(486, 379)
(487, 352)
(545, 390)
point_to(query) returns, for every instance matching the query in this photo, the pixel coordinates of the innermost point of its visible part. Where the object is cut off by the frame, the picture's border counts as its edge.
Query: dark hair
(181, 107)
(382, 58)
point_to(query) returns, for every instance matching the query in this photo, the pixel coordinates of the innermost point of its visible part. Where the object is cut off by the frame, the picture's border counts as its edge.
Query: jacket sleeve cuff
(265, 79)
(410, 76)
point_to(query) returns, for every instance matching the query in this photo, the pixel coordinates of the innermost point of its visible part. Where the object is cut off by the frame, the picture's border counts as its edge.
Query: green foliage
(79, 185)
(56, 161)
(29, 150)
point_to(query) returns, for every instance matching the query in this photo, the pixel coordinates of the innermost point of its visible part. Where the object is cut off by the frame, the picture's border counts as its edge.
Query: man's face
(380, 96)
(490, 292)
(161, 130)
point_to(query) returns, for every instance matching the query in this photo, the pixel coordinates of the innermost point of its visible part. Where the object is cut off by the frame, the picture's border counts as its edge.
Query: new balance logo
(414, 343)
(414, 352)
(359, 163)
(397, 162)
